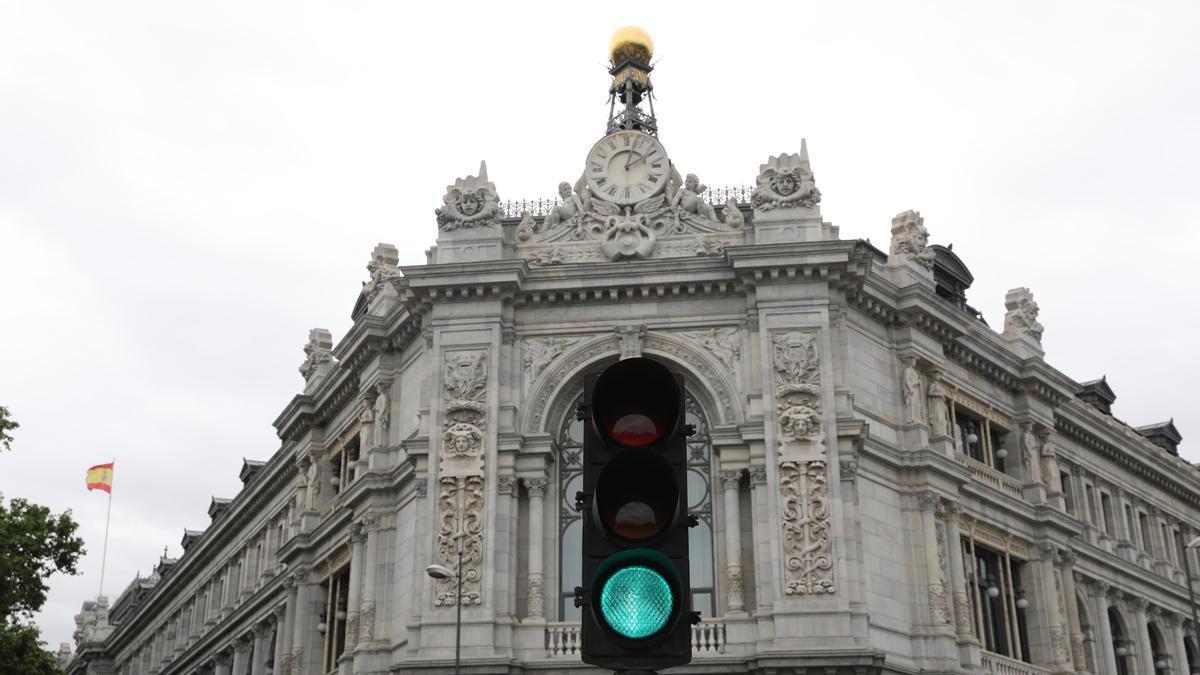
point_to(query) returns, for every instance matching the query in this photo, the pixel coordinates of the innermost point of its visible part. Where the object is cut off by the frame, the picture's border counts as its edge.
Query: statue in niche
(939, 415)
(732, 215)
(382, 415)
(366, 425)
(573, 207)
(911, 389)
(687, 199)
(313, 483)
(1029, 449)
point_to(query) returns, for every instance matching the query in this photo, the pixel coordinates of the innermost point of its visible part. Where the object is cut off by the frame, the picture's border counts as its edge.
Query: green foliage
(37, 544)
(7, 424)
(34, 543)
(22, 652)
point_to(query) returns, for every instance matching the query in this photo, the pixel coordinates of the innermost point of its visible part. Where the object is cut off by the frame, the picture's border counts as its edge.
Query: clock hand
(640, 159)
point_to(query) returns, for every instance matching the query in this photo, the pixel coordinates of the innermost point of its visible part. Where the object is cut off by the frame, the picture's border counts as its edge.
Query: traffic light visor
(636, 403)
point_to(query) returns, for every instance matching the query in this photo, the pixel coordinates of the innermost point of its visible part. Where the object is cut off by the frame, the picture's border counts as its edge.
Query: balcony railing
(989, 476)
(996, 664)
(562, 638)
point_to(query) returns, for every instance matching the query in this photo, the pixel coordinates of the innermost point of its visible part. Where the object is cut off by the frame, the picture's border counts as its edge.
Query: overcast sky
(187, 188)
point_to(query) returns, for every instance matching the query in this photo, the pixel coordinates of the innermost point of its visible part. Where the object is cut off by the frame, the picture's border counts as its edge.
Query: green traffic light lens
(636, 602)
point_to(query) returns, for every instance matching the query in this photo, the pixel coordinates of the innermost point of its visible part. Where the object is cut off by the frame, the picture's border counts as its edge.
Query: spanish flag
(99, 477)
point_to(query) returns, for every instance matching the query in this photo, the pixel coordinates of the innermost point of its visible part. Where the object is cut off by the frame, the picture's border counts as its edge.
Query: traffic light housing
(636, 594)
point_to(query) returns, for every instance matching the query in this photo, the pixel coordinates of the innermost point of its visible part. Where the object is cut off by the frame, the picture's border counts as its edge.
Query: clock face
(626, 167)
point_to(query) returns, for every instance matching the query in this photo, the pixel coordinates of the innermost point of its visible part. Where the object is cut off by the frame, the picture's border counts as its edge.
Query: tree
(34, 543)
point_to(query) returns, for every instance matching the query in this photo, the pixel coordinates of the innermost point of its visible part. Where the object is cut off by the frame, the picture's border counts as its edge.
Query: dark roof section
(190, 537)
(1097, 394)
(1163, 434)
(952, 278)
(217, 507)
(250, 467)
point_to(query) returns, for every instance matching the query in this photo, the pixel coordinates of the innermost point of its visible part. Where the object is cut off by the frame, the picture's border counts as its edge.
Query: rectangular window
(1131, 531)
(1068, 501)
(332, 618)
(970, 435)
(1090, 495)
(1144, 523)
(1107, 512)
(994, 588)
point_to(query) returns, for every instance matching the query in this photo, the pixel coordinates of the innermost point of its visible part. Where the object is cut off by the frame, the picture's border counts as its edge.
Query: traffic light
(636, 594)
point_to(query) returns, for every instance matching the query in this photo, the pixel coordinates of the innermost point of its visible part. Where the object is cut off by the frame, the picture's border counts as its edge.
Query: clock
(627, 166)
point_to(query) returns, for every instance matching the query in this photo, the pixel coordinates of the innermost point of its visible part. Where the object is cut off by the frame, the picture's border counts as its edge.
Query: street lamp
(441, 572)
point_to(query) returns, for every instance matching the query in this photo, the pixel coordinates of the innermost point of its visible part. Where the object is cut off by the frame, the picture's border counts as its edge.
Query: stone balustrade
(562, 638)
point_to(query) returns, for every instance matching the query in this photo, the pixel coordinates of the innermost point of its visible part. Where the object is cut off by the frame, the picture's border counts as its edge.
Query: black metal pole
(1187, 568)
(458, 617)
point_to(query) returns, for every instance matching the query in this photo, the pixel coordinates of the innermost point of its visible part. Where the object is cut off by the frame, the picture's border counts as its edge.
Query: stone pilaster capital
(358, 533)
(1047, 551)
(536, 487)
(263, 630)
(506, 484)
(951, 509)
(1139, 604)
(299, 575)
(928, 500)
(1102, 587)
(730, 480)
(280, 613)
(1066, 557)
(848, 468)
(758, 474)
(223, 658)
(422, 487)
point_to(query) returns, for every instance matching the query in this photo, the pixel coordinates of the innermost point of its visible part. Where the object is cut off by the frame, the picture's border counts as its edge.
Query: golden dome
(630, 42)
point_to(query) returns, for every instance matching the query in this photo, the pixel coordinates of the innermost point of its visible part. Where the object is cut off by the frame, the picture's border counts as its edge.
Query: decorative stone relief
(543, 390)
(461, 496)
(710, 247)
(939, 412)
(848, 468)
(583, 219)
(1021, 316)
(723, 343)
(506, 484)
(798, 388)
(422, 487)
(544, 257)
(382, 269)
(631, 341)
(527, 227)
(938, 600)
(541, 352)
(758, 474)
(909, 240)
(735, 587)
(807, 541)
(470, 202)
(785, 182)
(732, 215)
(366, 623)
(318, 352)
(910, 389)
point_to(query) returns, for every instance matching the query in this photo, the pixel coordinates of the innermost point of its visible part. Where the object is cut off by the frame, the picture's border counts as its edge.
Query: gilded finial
(630, 42)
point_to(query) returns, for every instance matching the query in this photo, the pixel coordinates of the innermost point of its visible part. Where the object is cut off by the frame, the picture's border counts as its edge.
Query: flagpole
(107, 518)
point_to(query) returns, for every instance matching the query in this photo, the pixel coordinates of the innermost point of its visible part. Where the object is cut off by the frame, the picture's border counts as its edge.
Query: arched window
(1121, 643)
(699, 497)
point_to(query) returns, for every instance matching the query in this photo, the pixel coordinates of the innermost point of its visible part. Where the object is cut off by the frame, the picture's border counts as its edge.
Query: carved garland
(460, 500)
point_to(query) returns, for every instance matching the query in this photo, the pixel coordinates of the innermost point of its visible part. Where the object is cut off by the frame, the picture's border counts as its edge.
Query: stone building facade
(884, 482)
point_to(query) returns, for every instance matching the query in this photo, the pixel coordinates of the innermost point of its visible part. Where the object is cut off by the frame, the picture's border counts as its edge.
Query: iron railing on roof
(717, 196)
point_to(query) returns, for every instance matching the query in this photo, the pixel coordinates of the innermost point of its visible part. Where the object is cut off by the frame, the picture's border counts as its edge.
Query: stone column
(358, 541)
(262, 646)
(304, 620)
(221, 664)
(958, 581)
(1180, 657)
(537, 511)
(285, 628)
(1106, 636)
(366, 611)
(1074, 626)
(241, 655)
(935, 588)
(1142, 635)
(764, 574)
(730, 483)
(1047, 604)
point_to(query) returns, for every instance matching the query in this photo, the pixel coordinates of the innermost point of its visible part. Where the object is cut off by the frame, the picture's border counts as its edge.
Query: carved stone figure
(710, 247)
(382, 415)
(1021, 316)
(366, 424)
(382, 269)
(312, 482)
(546, 256)
(939, 413)
(541, 352)
(470, 202)
(1029, 449)
(631, 341)
(807, 540)
(732, 215)
(572, 208)
(798, 390)
(785, 182)
(911, 389)
(723, 343)
(463, 440)
(909, 240)
(687, 199)
(318, 351)
(527, 227)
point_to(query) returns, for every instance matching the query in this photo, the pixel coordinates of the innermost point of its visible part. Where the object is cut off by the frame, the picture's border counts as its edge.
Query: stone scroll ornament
(785, 182)
(461, 494)
(803, 484)
(471, 202)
